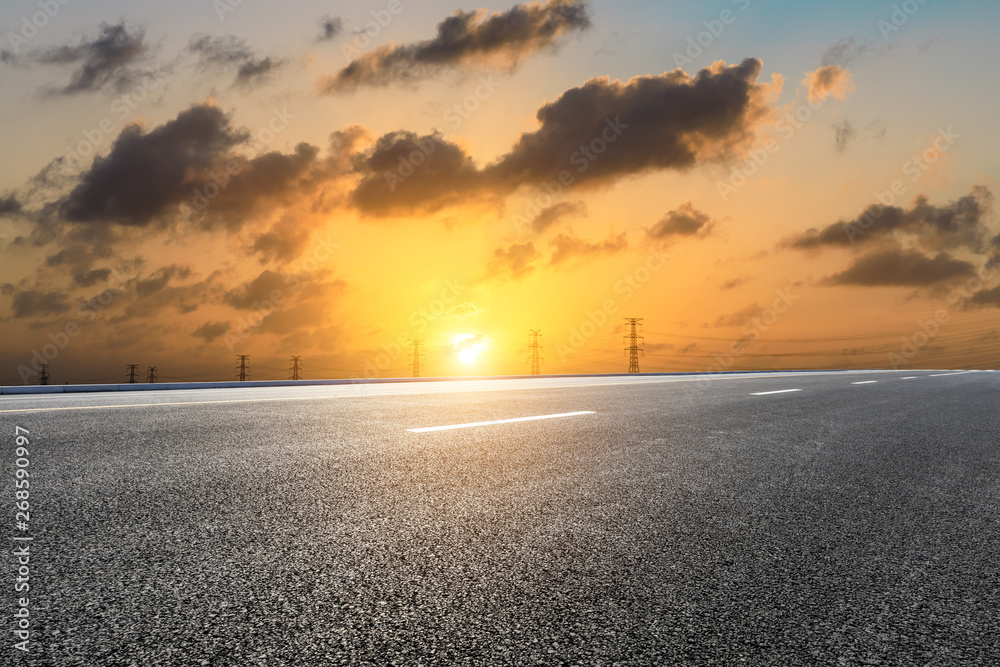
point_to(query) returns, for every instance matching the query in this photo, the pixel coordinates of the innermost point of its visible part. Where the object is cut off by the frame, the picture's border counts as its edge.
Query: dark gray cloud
(106, 61)
(34, 303)
(228, 52)
(684, 221)
(553, 214)
(283, 242)
(210, 331)
(147, 172)
(897, 267)
(264, 288)
(256, 70)
(404, 171)
(740, 318)
(466, 38)
(958, 224)
(9, 205)
(329, 28)
(568, 248)
(592, 135)
(91, 278)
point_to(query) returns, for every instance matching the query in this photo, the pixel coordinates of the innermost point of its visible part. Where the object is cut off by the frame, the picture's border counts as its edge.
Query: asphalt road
(678, 521)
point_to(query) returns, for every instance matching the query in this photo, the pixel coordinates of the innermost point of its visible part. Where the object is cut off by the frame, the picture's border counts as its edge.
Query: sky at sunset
(767, 184)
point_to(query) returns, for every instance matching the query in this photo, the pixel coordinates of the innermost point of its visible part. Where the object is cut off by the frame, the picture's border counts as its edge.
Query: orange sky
(284, 186)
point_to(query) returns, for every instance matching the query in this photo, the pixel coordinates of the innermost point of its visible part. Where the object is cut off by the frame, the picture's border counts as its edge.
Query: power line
(536, 359)
(634, 339)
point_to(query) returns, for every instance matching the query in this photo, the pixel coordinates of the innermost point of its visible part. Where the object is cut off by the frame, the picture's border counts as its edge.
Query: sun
(468, 346)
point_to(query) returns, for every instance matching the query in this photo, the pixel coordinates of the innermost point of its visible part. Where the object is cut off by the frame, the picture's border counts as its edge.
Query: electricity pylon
(416, 357)
(151, 375)
(132, 368)
(634, 342)
(536, 358)
(242, 367)
(295, 372)
(43, 375)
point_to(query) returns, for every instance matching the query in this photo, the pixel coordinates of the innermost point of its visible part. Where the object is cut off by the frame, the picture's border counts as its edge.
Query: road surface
(772, 519)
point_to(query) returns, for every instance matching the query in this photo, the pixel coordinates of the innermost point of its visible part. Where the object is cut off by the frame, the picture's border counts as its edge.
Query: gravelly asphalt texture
(683, 523)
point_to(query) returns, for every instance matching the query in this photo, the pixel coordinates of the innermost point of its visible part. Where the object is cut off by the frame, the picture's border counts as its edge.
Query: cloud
(594, 135)
(32, 303)
(443, 176)
(827, 81)
(684, 221)
(740, 318)
(553, 214)
(849, 49)
(571, 247)
(285, 241)
(147, 172)
(847, 132)
(897, 267)
(91, 278)
(463, 310)
(159, 280)
(511, 263)
(9, 205)
(255, 71)
(229, 52)
(268, 286)
(958, 224)
(466, 39)
(103, 62)
(210, 331)
(329, 27)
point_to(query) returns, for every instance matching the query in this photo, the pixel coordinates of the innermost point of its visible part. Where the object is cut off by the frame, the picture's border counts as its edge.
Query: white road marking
(866, 382)
(910, 378)
(780, 391)
(941, 375)
(498, 421)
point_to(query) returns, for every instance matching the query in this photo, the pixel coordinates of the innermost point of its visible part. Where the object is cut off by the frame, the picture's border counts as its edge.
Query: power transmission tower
(43, 375)
(536, 349)
(242, 367)
(416, 357)
(132, 368)
(151, 375)
(634, 342)
(295, 372)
